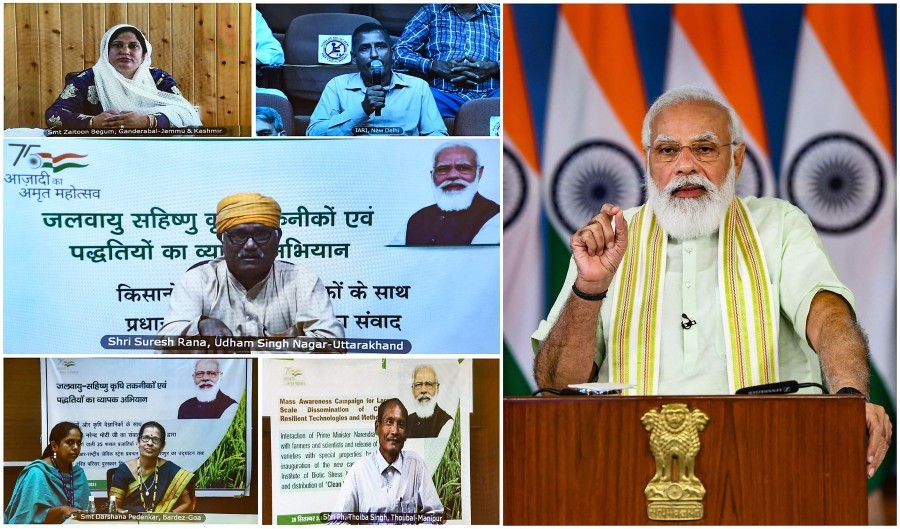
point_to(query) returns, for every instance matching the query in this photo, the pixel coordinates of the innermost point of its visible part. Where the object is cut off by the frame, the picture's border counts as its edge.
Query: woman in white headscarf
(122, 91)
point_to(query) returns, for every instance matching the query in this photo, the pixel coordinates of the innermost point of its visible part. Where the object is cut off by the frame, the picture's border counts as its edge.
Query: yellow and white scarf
(748, 306)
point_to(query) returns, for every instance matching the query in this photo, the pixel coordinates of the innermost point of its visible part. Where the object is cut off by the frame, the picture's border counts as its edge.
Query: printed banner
(102, 232)
(205, 416)
(323, 414)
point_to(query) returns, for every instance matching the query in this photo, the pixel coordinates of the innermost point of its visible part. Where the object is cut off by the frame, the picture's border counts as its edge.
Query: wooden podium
(785, 460)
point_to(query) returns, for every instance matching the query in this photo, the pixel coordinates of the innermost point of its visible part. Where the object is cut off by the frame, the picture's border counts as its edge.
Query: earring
(54, 454)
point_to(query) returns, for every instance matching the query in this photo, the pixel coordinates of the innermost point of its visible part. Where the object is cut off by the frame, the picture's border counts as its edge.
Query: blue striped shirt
(438, 32)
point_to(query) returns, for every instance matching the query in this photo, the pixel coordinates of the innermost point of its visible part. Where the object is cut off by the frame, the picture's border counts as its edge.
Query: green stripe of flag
(515, 383)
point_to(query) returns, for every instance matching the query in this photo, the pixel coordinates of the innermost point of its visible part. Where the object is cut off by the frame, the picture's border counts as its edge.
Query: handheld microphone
(377, 67)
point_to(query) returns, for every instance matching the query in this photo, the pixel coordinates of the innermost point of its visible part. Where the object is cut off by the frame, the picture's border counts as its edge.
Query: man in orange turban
(247, 292)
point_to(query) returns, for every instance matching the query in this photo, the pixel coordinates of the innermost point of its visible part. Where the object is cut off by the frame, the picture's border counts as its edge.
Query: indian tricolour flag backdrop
(839, 166)
(523, 307)
(584, 76)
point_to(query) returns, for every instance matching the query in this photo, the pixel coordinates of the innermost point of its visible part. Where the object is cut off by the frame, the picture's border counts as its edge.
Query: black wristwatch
(849, 391)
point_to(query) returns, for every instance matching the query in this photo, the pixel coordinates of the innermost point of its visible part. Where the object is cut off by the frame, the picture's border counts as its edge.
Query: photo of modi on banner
(380, 441)
(192, 413)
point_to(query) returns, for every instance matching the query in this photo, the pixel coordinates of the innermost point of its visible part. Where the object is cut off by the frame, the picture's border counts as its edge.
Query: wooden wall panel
(94, 28)
(27, 62)
(138, 15)
(484, 431)
(50, 31)
(161, 28)
(10, 71)
(115, 14)
(246, 67)
(206, 47)
(183, 49)
(71, 39)
(205, 62)
(21, 409)
(228, 62)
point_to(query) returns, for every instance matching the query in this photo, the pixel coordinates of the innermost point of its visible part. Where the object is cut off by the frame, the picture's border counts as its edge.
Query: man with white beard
(209, 402)
(460, 214)
(707, 293)
(429, 420)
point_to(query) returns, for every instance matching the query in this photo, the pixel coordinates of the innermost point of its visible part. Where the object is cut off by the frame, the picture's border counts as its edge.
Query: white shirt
(692, 361)
(374, 486)
(290, 301)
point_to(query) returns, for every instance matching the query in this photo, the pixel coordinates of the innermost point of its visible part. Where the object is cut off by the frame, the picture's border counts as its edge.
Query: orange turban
(247, 208)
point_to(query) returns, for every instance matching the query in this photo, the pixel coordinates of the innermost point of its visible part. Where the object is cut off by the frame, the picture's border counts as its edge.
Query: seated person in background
(149, 483)
(353, 102)
(52, 488)
(269, 57)
(268, 50)
(268, 122)
(457, 46)
(389, 480)
(122, 91)
(460, 214)
(247, 292)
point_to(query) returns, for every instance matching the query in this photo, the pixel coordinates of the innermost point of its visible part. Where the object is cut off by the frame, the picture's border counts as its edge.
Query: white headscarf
(117, 92)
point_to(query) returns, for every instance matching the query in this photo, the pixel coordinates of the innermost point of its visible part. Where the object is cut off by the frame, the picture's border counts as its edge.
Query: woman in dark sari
(122, 90)
(149, 483)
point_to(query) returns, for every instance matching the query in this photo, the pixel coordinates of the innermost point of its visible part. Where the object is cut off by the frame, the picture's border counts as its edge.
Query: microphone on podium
(377, 68)
(776, 388)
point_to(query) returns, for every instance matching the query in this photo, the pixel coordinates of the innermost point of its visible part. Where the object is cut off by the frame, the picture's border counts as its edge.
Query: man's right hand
(598, 249)
(374, 99)
(213, 327)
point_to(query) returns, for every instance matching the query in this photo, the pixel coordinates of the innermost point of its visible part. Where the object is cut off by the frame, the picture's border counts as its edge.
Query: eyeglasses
(150, 439)
(703, 151)
(463, 169)
(208, 374)
(426, 385)
(240, 239)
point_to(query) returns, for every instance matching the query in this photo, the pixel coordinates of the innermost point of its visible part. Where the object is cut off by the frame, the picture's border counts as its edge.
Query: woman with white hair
(122, 90)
